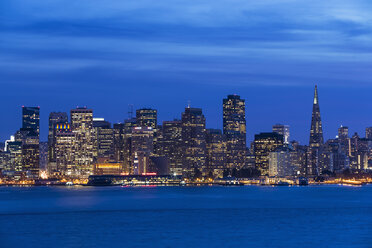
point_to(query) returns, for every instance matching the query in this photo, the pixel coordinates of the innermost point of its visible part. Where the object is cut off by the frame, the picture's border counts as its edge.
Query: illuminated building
(82, 127)
(14, 148)
(65, 151)
(103, 138)
(43, 148)
(282, 130)
(31, 119)
(147, 117)
(299, 158)
(193, 141)
(29, 136)
(359, 152)
(105, 166)
(141, 148)
(216, 152)
(344, 140)
(5, 163)
(31, 155)
(172, 145)
(129, 124)
(234, 129)
(280, 163)
(54, 119)
(118, 143)
(264, 143)
(316, 139)
(333, 158)
(369, 133)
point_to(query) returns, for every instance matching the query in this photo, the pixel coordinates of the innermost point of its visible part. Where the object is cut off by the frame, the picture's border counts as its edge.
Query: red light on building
(149, 174)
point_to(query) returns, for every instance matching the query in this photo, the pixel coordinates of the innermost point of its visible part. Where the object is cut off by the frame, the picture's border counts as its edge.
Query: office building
(31, 119)
(172, 145)
(82, 127)
(54, 119)
(264, 143)
(284, 131)
(234, 129)
(103, 138)
(316, 139)
(65, 153)
(147, 117)
(141, 149)
(216, 152)
(193, 141)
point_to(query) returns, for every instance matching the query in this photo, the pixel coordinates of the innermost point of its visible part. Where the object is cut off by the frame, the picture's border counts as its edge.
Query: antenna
(130, 111)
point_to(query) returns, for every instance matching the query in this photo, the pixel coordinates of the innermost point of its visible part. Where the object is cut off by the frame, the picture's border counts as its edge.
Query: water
(249, 216)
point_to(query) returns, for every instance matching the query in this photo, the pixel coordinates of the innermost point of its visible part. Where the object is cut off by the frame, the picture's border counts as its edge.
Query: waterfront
(251, 216)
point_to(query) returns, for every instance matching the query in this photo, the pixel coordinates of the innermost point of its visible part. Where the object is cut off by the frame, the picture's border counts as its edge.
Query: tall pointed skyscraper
(316, 130)
(316, 138)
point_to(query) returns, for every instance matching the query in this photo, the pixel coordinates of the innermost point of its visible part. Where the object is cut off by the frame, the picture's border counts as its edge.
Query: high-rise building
(193, 141)
(65, 152)
(54, 119)
(264, 143)
(31, 155)
(141, 148)
(129, 124)
(280, 163)
(29, 135)
(344, 140)
(299, 158)
(172, 145)
(103, 138)
(316, 138)
(282, 130)
(15, 150)
(82, 127)
(234, 129)
(147, 117)
(333, 158)
(359, 152)
(216, 152)
(369, 133)
(118, 146)
(31, 118)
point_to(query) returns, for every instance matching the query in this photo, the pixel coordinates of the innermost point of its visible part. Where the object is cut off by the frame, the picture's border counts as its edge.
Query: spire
(316, 130)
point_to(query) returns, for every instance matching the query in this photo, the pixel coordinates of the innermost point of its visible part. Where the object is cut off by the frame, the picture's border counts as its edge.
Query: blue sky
(161, 54)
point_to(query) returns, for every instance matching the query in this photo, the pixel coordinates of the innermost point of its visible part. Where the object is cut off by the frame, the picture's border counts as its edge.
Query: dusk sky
(161, 54)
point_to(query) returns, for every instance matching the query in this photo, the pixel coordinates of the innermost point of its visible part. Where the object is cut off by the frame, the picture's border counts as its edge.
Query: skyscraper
(216, 152)
(316, 138)
(344, 140)
(29, 135)
(171, 145)
(147, 117)
(264, 143)
(31, 118)
(54, 119)
(65, 152)
(82, 127)
(142, 148)
(103, 138)
(234, 129)
(369, 133)
(193, 141)
(282, 130)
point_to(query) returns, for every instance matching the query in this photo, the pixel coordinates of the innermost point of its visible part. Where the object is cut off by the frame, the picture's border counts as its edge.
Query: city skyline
(255, 124)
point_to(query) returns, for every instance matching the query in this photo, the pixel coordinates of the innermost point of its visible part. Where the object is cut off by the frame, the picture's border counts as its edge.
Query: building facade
(234, 129)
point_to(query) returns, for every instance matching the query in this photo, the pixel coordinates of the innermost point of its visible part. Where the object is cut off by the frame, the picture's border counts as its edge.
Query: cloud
(265, 41)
